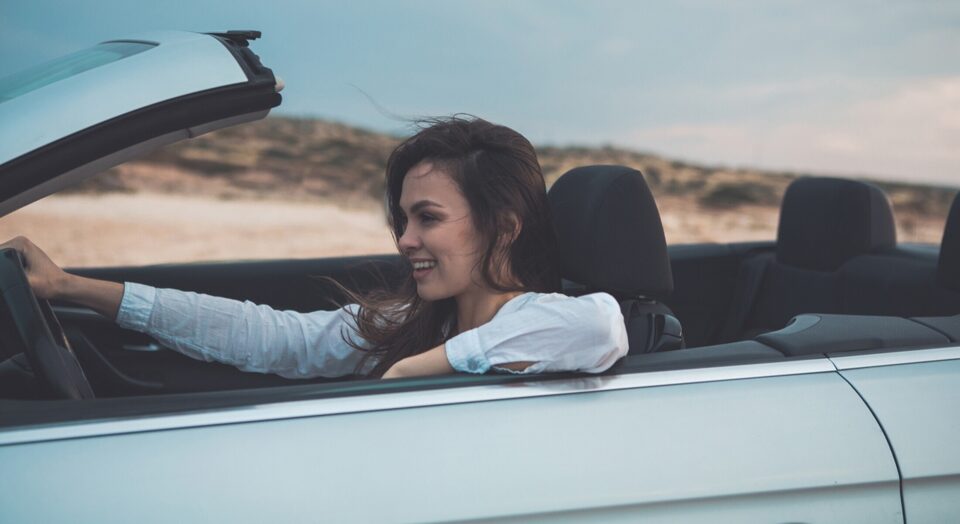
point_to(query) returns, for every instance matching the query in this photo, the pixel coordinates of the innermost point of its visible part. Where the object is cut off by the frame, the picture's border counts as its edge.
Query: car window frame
(69, 160)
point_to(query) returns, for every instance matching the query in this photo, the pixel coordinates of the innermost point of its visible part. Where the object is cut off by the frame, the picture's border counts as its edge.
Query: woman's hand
(430, 362)
(50, 282)
(45, 277)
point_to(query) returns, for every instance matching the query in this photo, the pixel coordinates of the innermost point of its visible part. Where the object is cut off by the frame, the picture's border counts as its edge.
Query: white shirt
(556, 332)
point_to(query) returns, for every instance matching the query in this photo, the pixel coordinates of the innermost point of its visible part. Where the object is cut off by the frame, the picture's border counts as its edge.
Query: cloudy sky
(847, 87)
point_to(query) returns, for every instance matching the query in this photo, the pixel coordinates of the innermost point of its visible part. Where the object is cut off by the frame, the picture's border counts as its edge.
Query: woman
(468, 208)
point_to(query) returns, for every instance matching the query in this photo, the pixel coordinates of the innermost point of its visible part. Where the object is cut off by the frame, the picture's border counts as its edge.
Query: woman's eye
(427, 218)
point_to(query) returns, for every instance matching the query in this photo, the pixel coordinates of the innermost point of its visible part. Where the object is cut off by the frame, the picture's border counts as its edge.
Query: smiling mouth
(427, 264)
(421, 268)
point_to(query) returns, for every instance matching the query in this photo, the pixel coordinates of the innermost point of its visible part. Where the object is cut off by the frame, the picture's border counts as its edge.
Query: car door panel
(917, 404)
(705, 279)
(799, 448)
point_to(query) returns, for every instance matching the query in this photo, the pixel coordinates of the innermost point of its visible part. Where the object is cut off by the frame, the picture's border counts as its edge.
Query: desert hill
(293, 159)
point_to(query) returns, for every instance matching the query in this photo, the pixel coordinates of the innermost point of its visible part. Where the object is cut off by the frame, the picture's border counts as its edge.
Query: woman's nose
(409, 240)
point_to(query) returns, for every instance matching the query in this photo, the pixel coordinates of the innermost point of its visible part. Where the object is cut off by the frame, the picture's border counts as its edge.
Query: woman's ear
(511, 227)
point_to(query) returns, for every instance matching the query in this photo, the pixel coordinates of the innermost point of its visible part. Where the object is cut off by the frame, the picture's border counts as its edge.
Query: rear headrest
(948, 270)
(610, 233)
(826, 221)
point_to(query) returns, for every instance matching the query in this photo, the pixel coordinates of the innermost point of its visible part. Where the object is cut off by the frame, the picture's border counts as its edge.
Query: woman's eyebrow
(422, 204)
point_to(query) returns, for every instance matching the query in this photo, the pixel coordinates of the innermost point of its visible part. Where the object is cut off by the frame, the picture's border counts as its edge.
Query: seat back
(611, 240)
(824, 223)
(948, 266)
(909, 281)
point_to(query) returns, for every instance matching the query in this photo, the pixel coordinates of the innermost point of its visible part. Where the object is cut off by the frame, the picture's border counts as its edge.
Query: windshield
(47, 73)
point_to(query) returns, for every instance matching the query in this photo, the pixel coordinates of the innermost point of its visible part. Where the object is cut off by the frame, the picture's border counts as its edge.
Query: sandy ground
(118, 229)
(145, 228)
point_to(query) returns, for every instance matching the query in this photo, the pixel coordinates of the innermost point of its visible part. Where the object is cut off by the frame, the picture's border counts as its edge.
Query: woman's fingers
(42, 273)
(15, 243)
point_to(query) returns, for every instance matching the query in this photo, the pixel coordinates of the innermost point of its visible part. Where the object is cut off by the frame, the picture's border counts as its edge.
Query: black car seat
(948, 278)
(909, 281)
(948, 266)
(824, 222)
(611, 240)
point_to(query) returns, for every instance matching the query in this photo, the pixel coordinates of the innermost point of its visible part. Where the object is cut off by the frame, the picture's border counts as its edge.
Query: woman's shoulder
(559, 300)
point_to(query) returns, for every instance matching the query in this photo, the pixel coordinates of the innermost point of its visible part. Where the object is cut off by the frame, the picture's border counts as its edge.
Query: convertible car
(811, 378)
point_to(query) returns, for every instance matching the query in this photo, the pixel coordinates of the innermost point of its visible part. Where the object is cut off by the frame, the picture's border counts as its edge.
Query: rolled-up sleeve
(554, 332)
(251, 337)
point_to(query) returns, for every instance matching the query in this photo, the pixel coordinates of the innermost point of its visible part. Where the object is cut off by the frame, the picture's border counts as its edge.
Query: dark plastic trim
(237, 42)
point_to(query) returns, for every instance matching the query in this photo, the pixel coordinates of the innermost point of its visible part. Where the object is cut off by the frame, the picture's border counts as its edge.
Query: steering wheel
(39, 333)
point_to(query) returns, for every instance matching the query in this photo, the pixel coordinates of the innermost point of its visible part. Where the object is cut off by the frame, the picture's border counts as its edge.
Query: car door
(915, 397)
(776, 442)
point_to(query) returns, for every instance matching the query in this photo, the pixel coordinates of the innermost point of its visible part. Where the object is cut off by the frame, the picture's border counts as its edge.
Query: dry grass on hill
(287, 187)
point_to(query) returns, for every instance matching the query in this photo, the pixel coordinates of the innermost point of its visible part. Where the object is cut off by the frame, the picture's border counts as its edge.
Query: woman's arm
(99, 295)
(543, 333)
(249, 336)
(430, 362)
(548, 333)
(434, 362)
(252, 337)
(49, 281)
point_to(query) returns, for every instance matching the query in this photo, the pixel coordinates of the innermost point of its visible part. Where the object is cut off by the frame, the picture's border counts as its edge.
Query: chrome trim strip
(411, 399)
(911, 356)
(151, 347)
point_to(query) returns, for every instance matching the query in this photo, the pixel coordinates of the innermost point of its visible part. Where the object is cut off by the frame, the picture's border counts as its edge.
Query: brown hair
(497, 171)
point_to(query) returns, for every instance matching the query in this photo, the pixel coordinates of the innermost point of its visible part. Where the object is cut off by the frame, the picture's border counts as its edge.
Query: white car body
(867, 436)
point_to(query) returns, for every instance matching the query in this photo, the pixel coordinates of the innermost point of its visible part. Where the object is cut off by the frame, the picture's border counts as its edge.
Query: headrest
(826, 221)
(948, 270)
(610, 233)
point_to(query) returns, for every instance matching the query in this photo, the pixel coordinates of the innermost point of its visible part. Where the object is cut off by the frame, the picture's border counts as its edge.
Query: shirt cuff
(136, 306)
(465, 353)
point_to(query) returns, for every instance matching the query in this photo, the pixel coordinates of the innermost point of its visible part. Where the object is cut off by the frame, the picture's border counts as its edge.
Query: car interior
(834, 280)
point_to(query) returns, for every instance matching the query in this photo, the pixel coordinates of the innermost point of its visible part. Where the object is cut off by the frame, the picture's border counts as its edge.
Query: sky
(851, 88)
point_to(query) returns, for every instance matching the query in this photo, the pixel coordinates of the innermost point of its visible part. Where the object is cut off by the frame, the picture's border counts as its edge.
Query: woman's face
(440, 239)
